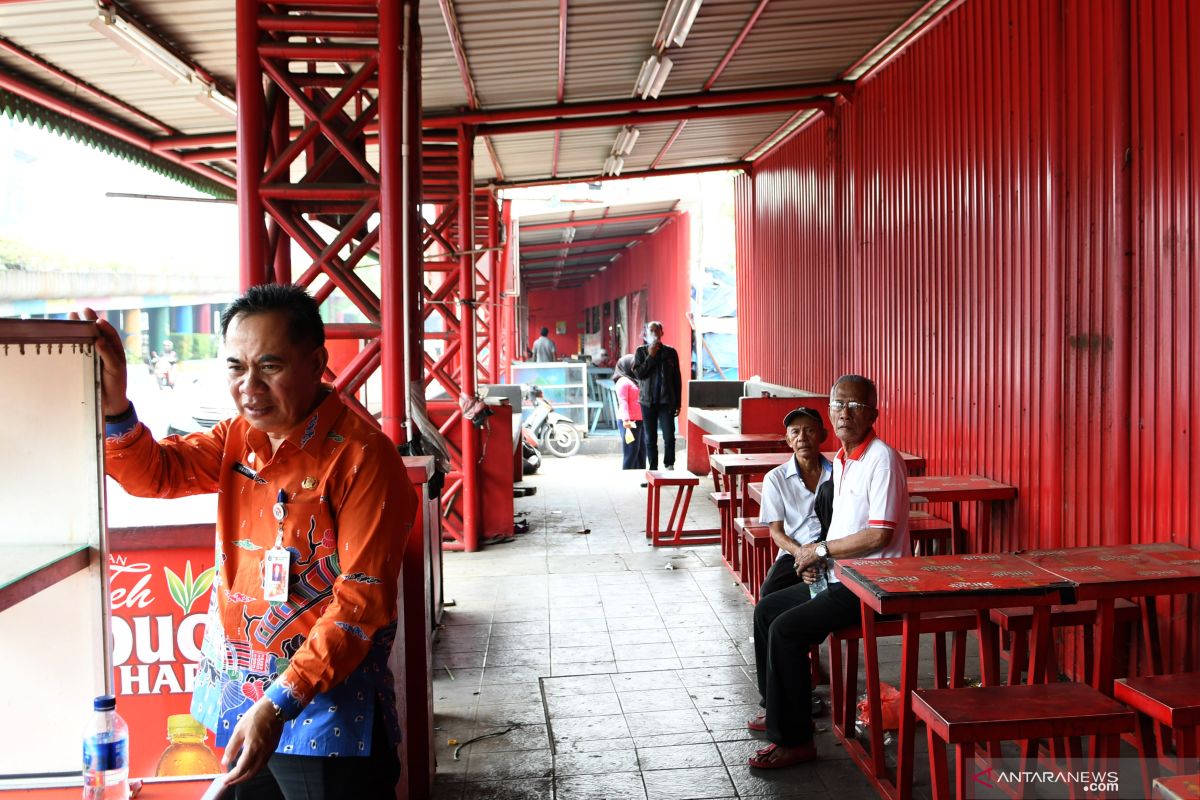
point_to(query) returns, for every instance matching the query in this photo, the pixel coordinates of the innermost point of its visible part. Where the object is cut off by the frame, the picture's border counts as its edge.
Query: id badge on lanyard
(277, 561)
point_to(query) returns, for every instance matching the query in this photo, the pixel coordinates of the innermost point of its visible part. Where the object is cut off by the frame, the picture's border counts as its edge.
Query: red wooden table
(718, 443)
(735, 469)
(910, 587)
(1132, 571)
(1179, 787)
(957, 489)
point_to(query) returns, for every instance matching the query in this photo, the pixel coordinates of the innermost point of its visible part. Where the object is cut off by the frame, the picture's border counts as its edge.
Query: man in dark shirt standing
(656, 366)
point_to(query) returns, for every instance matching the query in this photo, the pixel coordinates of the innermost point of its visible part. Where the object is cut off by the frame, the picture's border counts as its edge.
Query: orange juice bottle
(188, 753)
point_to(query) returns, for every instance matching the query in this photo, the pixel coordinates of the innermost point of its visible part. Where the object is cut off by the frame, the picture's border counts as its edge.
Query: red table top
(1177, 787)
(953, 582)
(751, 463)
(954, 488)
(1124, 570)
(742, 439)
(747, 463)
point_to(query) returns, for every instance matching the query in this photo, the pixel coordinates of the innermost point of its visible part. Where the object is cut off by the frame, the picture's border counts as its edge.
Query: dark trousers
(786, 624)
(782, 575)
(326, 778)
(658, 417)
(634, 452)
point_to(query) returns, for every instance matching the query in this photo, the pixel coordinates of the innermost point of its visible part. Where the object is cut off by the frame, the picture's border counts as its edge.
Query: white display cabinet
(563, 383)
(54, 624)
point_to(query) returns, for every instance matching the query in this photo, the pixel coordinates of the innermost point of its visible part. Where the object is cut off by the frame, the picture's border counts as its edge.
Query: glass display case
(54, 617)
(563, 383)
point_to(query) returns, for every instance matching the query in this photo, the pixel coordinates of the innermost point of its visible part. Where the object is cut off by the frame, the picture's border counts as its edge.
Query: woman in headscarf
(629, 411)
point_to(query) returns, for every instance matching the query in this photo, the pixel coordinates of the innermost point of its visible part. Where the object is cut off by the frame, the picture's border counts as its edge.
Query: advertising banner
(159, 602)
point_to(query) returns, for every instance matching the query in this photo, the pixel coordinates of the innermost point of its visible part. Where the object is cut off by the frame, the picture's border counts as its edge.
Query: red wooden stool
(673, 535)
(843, 678)
(757, 554)
(725, 506)
(1019, 621)
(1172, 701)
(966, 717)
(928, 535)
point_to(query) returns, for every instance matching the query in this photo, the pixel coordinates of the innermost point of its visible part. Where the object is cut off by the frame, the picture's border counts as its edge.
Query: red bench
(673, 535)
(967, 717)
(726, 507)
(755, 554)
(1172, 701)
(1019, 621)
(929, 535)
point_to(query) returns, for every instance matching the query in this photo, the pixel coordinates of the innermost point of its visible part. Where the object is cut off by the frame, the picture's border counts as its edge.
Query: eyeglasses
(854, 407)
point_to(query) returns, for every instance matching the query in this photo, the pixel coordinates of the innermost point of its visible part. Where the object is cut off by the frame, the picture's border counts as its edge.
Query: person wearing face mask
(656, 367)
(313, 509)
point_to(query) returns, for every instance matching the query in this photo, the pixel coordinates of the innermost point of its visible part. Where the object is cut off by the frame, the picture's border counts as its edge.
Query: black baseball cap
(803, 411)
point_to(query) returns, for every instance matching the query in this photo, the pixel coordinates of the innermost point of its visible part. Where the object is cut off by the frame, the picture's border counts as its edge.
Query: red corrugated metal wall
(1001, 230)
(548, 307)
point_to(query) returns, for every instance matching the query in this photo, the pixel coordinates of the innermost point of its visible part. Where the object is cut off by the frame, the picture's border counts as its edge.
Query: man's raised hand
(114, 375)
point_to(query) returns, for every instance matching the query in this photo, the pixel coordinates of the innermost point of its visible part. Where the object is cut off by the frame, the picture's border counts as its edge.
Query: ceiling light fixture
(136, 41)
(653, 75)
(217, 100)
(676, 23)
(625, 141)
(613, 165)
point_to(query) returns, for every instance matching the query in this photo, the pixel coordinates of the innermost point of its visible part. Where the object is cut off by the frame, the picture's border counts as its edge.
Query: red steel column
(466, 333)
(392, 216)
(280, 136)
(252, 268)
(497, 273)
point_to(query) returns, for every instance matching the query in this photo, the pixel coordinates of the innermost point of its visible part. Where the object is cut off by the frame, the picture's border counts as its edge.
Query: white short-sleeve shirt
(786, 499)
(870, 490)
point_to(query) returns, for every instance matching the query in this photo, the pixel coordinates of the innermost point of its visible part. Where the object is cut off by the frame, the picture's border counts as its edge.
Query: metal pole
(466, 332)
(391, 215)
(414, 345)
(250, 125)
(494, 274)
(280, 131)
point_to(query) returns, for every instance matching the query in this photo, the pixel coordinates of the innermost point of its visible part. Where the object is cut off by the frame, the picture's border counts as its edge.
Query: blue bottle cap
(105, 702)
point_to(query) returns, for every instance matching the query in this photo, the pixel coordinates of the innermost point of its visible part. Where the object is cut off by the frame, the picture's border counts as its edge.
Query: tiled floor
(623, 671)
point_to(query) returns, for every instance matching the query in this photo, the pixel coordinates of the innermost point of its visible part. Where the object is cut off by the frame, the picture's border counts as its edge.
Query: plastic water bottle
(821, 583)
(106, 753)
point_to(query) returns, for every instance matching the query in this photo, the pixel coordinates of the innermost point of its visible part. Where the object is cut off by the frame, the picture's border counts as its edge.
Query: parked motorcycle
(554, 431)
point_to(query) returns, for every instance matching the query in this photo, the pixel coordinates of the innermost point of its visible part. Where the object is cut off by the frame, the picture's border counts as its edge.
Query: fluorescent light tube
(666, 24)
(683, 22)
(646, 76)
(626, 139)
(133, 39)
(660, 77)
(217, 100)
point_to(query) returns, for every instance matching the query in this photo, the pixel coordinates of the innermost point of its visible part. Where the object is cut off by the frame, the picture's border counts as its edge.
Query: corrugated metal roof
(511, 51)
(622, 226)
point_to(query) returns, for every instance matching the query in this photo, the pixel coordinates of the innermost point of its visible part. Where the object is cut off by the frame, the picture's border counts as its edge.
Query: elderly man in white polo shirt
(870, 520)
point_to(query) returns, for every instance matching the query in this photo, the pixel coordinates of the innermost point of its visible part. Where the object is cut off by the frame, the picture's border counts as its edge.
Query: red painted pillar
(252, 267)
(466, 332)
(495, 273)
(392, 215)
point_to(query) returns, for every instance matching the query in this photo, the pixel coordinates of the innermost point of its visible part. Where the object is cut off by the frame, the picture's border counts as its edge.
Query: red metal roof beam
(55, 103)
(650, 117)
(744, 166)
(803, 91)
(464, 71)
(562, 77)
(552, 246)
(579, 223)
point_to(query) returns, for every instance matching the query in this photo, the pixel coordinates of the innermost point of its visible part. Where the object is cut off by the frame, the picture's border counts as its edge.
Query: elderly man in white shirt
(870, 520)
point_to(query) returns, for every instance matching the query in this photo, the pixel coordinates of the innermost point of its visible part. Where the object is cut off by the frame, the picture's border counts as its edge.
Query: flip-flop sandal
(760, 759)
(759, 723)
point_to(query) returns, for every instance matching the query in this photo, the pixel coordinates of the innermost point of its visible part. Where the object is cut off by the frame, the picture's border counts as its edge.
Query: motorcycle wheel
(563, 440)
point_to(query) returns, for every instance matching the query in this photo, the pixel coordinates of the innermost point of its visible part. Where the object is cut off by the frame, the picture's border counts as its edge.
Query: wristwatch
(822, 550)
